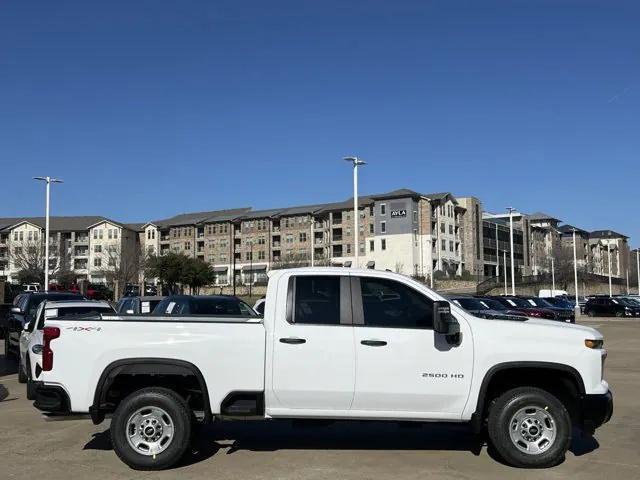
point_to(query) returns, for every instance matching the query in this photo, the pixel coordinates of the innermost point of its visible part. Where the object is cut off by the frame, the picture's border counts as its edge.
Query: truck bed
(229, 352)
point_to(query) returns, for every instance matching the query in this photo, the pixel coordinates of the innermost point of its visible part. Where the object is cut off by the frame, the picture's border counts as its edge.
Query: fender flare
(477, 416)
(142, 366)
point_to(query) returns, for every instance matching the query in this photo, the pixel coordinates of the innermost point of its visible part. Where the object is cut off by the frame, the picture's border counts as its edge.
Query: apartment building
(402, 230)
(609, 252)
(74, 246)
(582, 243)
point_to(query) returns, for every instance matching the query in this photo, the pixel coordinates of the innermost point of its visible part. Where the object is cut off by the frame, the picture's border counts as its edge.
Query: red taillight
(50, 333)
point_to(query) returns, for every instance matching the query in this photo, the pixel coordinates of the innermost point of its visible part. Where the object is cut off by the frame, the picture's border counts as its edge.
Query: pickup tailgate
(230, 353)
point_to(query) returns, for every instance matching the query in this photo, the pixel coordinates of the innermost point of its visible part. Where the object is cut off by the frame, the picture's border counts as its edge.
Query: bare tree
(28, 258)
(120, 266)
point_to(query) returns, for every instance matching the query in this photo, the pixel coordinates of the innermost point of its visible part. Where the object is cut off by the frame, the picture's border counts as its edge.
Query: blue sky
(149, 108)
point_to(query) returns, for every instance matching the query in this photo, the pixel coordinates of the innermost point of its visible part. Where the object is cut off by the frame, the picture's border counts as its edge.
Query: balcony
(276, 244)
(82, 239)
(337, 238)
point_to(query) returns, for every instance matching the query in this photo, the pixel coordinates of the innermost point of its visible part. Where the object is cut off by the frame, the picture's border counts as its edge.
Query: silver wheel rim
(150, 431)
(532, 430)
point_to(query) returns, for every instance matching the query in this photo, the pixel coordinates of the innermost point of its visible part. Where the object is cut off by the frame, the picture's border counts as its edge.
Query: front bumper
(596, 411)
(51, 398)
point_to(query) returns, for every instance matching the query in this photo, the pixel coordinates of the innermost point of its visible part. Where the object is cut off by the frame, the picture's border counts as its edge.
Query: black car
(223, 305)
(611, 307)
(521, 305)
(137, 305)
(23, 310)
(562, 313)
(481, 308)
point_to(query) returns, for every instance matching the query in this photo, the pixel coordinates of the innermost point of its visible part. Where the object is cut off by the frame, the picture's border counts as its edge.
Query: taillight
(50, 333)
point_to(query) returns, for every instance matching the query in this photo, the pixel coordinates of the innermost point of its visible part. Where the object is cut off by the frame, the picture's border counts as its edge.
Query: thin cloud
(618, 95)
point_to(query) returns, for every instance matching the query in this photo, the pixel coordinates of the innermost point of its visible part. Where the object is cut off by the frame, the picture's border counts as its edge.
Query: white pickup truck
(334, 343)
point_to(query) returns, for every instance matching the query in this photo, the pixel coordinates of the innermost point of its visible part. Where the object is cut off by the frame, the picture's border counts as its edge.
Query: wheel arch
(148, 367)
(502, 369)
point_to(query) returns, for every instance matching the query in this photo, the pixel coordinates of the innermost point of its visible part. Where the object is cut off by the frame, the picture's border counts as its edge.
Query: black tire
(31, 386)
(502, 414)
(22, 375)
(619, 314)
(180, 415)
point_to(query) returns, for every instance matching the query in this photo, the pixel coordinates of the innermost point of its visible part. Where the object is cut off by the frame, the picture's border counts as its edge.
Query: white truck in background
(334, 343)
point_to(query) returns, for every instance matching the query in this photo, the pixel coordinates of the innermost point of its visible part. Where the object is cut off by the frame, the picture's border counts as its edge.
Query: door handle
(373, 343)
(293, 341)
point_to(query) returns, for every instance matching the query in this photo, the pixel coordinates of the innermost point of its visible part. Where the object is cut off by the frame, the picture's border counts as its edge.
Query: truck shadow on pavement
(230, 437)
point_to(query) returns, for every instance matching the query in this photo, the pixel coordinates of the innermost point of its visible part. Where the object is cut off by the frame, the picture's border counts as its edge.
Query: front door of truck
(313, 346)
(402, 365)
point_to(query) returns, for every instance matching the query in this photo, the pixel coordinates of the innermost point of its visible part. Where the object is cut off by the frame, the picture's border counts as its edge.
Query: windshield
(519, 302)
(493, 304)
(470, 303)
(35, 299)
(539, 303)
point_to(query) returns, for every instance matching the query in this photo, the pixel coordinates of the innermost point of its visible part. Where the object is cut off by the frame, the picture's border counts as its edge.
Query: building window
(361, 247)
(383, 244)
(97, 262)
(261, 255)
(371, 211)
(383, 209)
(371, 245)
(442, 228)
(450, 229)
(289, 238)
(348, 248)
(443, 245)
(187, 245)
(415, 237)
(248, 256)
(303, 236)
(97, 248)
(371, 228)
(450, 246)
(415, 215)
(383, 227)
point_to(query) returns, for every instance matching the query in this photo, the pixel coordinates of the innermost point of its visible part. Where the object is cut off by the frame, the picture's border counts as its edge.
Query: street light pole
(513, 267)
(48, 181)
(638, 267)
(504, 268)
(575, 267)
(553, 278)
(609, 258)
(356, 220)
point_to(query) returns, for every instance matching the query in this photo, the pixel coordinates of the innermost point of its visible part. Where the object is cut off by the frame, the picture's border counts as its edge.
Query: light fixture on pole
(356, 220)
(575, 268)
(48, 181)
(513, 267)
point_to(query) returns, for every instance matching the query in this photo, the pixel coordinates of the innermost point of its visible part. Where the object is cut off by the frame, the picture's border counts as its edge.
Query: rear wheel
(529, 428)
(619, 313)
(151, 429)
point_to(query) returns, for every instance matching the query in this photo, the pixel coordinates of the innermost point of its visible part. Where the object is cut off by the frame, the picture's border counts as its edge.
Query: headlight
(595, 344)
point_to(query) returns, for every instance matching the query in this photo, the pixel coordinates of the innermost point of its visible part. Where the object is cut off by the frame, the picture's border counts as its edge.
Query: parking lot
(33, 446)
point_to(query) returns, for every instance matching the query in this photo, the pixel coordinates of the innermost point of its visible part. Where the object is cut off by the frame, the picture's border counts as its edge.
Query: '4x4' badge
(84, 329)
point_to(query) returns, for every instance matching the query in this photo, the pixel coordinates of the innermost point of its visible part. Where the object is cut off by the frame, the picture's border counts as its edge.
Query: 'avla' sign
(398, 213)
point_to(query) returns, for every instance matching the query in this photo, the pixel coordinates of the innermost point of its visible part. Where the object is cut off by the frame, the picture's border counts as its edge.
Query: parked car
(95, 291)
(31, 340)
(335, 343)
(137, 305)
(482, 309)
(259, 306)
(227, 305)
(562, 313)
(611, 307)
(24, 311)
(495, 305)
(544, 293)
(523, 306)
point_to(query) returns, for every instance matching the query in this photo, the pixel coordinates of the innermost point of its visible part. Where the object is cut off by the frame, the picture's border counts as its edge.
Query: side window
(316, 300)
(387, 303)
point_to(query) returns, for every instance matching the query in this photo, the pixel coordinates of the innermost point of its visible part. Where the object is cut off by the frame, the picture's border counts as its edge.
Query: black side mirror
(443, 322)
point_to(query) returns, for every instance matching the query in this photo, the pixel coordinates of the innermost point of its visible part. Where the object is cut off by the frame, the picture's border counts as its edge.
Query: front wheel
(529, 428)
(151, 429)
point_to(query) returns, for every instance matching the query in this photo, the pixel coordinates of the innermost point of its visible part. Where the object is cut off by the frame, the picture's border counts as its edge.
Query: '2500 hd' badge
(443, 375)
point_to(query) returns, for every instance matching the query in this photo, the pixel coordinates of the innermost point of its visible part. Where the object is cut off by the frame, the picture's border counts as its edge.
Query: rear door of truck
(313, 367)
